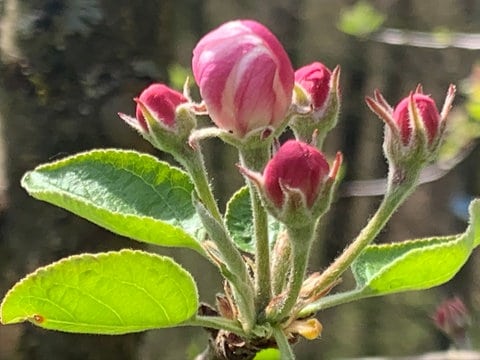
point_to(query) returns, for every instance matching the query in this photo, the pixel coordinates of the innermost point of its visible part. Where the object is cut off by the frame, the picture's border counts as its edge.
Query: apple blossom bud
(453, 318)
(296, 165)
(414, 131)
(428, 112)
(315, 80)
(245, 77)
(316, 102)
(161, 103)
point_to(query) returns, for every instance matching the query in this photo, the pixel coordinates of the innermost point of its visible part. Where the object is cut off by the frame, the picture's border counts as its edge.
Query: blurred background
(68, 66)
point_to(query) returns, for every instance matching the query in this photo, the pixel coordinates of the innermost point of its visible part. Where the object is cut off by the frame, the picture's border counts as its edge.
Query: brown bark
(66, 66)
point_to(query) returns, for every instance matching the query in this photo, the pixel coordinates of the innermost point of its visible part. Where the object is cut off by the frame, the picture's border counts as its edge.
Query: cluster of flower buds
(252, 93)
(246, 81)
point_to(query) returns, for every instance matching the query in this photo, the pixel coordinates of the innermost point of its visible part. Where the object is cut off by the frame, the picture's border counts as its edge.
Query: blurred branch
(377, 187)
(363, 20)
(433, 40)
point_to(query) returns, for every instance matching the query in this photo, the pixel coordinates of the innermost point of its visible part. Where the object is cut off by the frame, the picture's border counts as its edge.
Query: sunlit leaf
(129, 193)
(238, 218)
(107, 293)
(416, 264)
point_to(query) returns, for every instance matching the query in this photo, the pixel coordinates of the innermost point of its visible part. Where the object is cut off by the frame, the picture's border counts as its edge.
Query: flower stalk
(301, 239)
(395, 196)
(256, 158)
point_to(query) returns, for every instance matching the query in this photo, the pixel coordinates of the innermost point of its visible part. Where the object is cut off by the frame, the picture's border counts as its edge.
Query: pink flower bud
(427, 111)
(315, 80)
(296, 165)
(161, 102)
(453, 318)
(245, 76)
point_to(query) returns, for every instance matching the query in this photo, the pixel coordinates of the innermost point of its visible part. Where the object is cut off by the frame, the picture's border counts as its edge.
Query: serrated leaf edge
(96, 256)
(72, 158)
(441, 241)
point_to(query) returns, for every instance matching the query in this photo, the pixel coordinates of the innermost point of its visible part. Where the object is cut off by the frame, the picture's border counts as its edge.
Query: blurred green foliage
(360, 19)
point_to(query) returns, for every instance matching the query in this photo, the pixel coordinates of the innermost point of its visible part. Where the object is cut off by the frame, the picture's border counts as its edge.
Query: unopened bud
(245, 77)
(414, 129)
(315, 81)
(427, 112)
(159, 102)
(298, 166)
(452, 318)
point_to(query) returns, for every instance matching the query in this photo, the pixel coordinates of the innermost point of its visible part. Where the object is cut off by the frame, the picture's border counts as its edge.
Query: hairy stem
(286, 352)
(215, 322)
(392, 200)
(300, 241)
(213, 222)
(255, 159)
(193, 162)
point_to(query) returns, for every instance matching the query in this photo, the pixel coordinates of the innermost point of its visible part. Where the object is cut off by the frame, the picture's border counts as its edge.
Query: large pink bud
(296, 165)
(315, 80)
(428, 112)
(245, 76)
(161, 102)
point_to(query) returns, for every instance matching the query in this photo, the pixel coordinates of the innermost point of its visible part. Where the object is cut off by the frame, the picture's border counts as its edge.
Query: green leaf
(405, 266)
(268, 354)
(107, 293)
(416, 264)
(238, 219)
(129, 193)
(360, 19)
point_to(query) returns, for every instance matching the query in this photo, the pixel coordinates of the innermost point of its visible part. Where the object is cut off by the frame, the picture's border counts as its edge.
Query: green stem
(286, 352)
(255, 159)
(392, 200)
(334, 300)
(300, 240)
(263, 288)
(193, 162)
(282, 253)
(215, 322)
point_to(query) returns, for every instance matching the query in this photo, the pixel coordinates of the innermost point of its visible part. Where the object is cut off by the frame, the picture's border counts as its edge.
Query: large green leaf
(238, 219)
(107, 293)
(409, 265)
(126, 192)
(416, 264)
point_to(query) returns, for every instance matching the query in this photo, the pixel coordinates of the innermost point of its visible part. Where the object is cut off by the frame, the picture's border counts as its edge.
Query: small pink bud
(452, 317)
(296, 165)
(428, 112)
(315, 80)
(161, 102)
(245, 76)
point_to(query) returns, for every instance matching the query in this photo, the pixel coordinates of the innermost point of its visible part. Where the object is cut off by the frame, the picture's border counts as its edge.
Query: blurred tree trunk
(66, 69)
